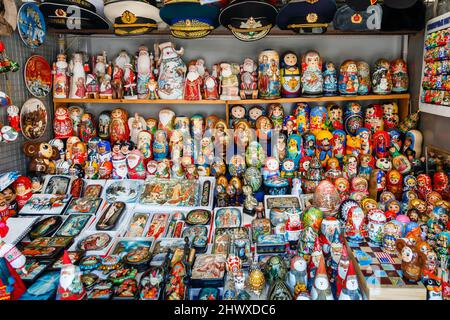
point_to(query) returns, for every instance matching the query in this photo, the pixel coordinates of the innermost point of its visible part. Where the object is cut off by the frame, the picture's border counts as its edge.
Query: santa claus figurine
(70, 285)
(342, 271)
(13, 117)
(321, 289)
(355, 226)
(62, 125)
(192, 84)
(129, 78)
(22, 187)
(210, 85)
(135, 163)
(351, 289)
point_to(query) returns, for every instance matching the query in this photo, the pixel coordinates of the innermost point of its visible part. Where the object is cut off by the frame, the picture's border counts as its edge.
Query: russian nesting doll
(324, 140)
(353, 118)
(118, 128)
(310, 144)
(135, 163)
(390, 115)
(104, 120)
(312, 78)
(363, 77)
(88, 128)
(160, 145)
(269, 75)
(75, 114)
(381, 77)
(330, 82)
(381, 142)
(399, 72)
(295, 148)
(62, 125)
(348, 78)
(339, 144)
(373, 119)
(276, 113)
(318, 119)
(302, 117)
(335, 117)
(290, 75)
(254, 113)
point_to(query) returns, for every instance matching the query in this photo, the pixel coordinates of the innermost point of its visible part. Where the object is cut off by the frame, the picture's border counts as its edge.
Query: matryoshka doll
(290, 75)
(104, 120)
(381, 141)
(271, 168)
(377, 183)
(276, 113)
(269, 75)
(423, 185)
(350, 166)
(263, 127)
(221, 137)
(103, 151)
(279, 149)
(144, 143)
(136, 124)
(366, 165)
(373, 118)
(71, 141)
(288, 167)
(312, 78)
(197, 126)
(390, 115)
(376, 221)
(363, 77)
(440, 182)
(160, 145)
(399, 72)
(330, 82)
(120, 168)
(394, 183)
(254, 113)
(353, 118)
(335, 117)
(343, 187)
(295, 148)
(365, 139)
(255, 155)
(22, 187)
(324, 139)
(355, 222)
(62, 125)
(90, 171)
(166, 121)
(319, 118)
(339, 144)
(396, 140)
(237, 113)
(135, 163)
(348, 78)
(302, 117)
(87, 128)
(79, 153)
(152, 125)
(75, 113)
(289, 125)
(413, 144)
(310, 144)
(105, 170)
(236, 165)
(392, 231)
(381, 77)
(118, 129)
(333, 169)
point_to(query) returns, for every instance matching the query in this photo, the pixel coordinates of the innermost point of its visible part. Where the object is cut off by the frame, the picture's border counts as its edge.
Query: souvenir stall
(224, 150)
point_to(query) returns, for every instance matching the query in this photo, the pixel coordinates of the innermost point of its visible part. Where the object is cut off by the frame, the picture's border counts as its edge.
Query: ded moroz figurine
(321, 289)
(78, 77)
(171, 72)
(229, 81)
(249, 78)
(192, 84)
(60, 79)
(13, 117)
(129, 79)
(210, 85)
(144, 72)
(351, 290)
(62, 125)
(70, 286)
(119, 67)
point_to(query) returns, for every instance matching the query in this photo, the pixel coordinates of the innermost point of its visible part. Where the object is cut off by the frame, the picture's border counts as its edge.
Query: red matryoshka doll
(423, 185)
(4, 210)
(350, 166)
(105, 170)
(333, 169)
(365, 138)
(359, 184)
(302, 117)
(355, 221)
(390, 115)
(377, 183)
(79, 153)
(144, 143)
(276, 113)
(381, 142)
(348, 78)
(335, 117)
(87, 127)
(399, 72)
(353, 118)
(22, 187)
(373, 119)
(62, 125)
(339, 144)
(318, 119)
(303, 166)
(290, 75)
(324, 140)
(135, 163)
(210, 85)
(366, 165)
(440, 182)
(395, 183)
(69, 146)
(118, 129)
(381, 77)
(343, 187)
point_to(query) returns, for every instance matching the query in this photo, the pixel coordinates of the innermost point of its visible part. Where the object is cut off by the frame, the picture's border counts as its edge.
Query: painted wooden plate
(33, 119)
(46, 227)
(31, 25)
(198, 216)
(38, 76)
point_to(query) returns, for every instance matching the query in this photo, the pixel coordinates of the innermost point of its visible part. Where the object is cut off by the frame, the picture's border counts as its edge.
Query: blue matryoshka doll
(396, 139)
(301, 113)
(160, 145)
(103, 151)
(353, 118)
(92, 148)
(365, 138)
(330, 83)
(339, 144)
(294, 148)
(310, 144)
(318, 119)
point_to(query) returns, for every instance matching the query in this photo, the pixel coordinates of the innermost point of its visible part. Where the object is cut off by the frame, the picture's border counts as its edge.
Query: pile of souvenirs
(293, 195)
(164, 75)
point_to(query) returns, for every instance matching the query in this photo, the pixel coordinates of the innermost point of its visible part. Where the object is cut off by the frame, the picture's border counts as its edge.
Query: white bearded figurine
(298, 275)
(144, 70)
(70, 285)
(136, 125)
(78, 77)
(351, 289)
(321, 289)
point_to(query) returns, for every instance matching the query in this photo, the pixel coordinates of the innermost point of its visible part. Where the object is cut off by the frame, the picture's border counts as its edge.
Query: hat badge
(60, 13)
(356, 18)
(312, 1)
(311, 17)
(128, 17)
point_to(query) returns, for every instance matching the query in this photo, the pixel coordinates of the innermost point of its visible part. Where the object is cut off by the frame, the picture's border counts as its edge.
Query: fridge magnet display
(46, 227)
(208, 270)
(57, 185)
(41, 204)
(38, 76)
(125, 191)
(84, 205)
(74, 256)
(111, 216)
(73, 225)
(137, 225)
(31, 25)
(151, 283)
(33, 119)
(198, 217)
(95, 242)
(228, 217)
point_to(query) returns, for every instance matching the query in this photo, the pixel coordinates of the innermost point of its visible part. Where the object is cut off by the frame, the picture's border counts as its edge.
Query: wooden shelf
(400, 96)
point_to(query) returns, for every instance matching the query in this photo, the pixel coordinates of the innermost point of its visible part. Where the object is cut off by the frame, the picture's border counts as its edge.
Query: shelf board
(399, 96)
(437, 110)
(222, 31)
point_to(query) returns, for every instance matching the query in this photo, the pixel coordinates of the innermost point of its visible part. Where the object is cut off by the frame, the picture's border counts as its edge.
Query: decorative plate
(228, 217)
(33, 119)
(31, 25)
(90, 263)
(46, 227)
(198, 216)
(95, 241)
(38, 76)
